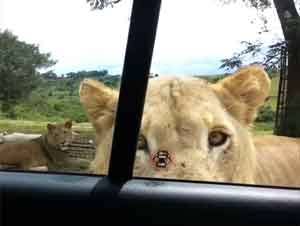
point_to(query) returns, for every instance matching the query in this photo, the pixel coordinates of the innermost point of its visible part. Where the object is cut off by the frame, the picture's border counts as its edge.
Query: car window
(204, 119)
(43, 125)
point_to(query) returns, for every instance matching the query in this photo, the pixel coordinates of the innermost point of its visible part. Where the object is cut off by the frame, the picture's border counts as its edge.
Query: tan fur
(179, 115)
(278, 160)
(35, 153)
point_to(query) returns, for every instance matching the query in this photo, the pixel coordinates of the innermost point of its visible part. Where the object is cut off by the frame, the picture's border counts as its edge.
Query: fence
(81, 147)
(280, 117)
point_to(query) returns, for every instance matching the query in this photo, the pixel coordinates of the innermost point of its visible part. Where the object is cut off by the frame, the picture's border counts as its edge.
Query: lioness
(195, 130)
(41, 151)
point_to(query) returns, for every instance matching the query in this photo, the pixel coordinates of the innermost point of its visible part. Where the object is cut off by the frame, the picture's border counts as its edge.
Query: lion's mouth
(161, 159)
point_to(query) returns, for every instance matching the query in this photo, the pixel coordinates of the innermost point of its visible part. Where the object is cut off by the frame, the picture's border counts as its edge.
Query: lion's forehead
(187, 105)
(179, 93)
(179, 88)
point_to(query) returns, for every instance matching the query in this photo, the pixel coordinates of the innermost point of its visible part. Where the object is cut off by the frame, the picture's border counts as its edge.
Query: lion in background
(195, 130)
(39, 152)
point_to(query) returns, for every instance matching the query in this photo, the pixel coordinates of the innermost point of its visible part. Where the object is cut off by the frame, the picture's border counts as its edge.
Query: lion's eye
(217, 138)
(142, 143)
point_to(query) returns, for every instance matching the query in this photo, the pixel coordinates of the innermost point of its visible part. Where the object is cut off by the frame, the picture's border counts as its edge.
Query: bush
(10, 113)
(265, 114)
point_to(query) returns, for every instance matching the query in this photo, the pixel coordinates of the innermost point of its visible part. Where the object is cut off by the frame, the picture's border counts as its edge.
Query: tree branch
(101, 4)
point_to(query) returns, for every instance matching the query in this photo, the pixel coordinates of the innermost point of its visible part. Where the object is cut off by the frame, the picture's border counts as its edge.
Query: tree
(101, 4)
(290, 24)
(256, 53)
(19, 64)
(50, 75)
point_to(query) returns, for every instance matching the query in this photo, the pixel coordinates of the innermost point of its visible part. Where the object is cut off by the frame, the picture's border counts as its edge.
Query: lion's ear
(244, 92)
(99, 101)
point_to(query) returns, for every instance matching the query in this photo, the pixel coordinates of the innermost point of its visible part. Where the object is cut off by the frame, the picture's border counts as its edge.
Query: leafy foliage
(82, 74)
(19, 64)
(56, 98)
(265, 114)
(256, 53)
(258, 4)
(101, 4)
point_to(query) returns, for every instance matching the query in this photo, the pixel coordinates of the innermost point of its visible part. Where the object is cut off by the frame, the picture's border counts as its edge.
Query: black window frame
(139, 201)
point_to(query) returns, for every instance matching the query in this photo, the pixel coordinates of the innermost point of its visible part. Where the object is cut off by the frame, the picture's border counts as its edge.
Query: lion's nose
(161, 159)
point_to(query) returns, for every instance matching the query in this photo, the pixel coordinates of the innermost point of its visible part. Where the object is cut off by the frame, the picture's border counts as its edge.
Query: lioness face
(186, 132)
(190, 129)
(60, 133)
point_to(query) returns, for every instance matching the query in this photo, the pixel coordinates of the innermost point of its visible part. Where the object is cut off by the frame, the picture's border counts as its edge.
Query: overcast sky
(191, 38)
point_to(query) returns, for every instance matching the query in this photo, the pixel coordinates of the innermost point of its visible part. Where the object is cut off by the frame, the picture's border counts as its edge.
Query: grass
(262, 128)
(23, 126)
(274, 86)
(274, 92)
